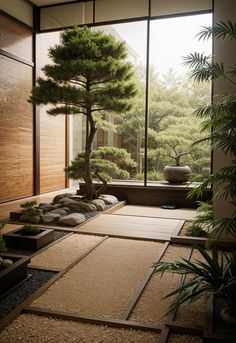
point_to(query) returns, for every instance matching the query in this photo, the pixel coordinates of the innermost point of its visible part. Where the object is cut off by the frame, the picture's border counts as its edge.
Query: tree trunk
(90, 187)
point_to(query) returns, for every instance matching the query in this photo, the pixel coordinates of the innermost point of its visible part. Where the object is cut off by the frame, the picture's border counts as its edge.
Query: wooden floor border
(13, 314)
(139, 290)
(119, 323)
(225, 245)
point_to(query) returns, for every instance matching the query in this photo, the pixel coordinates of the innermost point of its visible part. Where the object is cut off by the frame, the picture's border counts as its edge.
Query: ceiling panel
(49, 2)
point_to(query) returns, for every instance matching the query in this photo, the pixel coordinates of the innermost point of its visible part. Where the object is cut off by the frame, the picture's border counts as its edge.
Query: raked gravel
(102, 284)
(34, 329)
(64, 252)
(151, 308)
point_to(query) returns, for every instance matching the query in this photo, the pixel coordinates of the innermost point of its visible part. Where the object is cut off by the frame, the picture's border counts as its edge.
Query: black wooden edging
(93, 320)
(225, 245)
(139, 290)
(12, 315)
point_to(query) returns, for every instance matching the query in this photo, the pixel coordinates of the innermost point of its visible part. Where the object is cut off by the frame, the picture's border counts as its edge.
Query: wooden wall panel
(16, 130)
(52, 151)
(16, 39)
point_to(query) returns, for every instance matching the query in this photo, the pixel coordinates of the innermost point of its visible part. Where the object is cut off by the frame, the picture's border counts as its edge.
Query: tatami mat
(157, 212)
(135, 227)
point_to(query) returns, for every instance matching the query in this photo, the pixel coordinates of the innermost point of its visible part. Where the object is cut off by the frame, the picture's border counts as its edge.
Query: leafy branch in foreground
(219, 124)
(214, 275)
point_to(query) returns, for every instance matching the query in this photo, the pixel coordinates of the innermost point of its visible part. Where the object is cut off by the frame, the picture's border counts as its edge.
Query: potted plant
(13, 268)
(90, 75)
(215, 275)
(28, 236)
(177, 173)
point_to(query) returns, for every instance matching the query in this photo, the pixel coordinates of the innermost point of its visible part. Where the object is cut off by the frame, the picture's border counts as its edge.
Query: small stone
(7, 263)
(72, 219)
(47, 207)
(58, 197)
(99, 203)
(76, 197)
(58, 205)
(79, 206)
(109, 199)
(59, 211)
(66, 209)
(50, 218)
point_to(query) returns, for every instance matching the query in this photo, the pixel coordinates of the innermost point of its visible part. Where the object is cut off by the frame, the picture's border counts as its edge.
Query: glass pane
(166, 7)
(174, 96)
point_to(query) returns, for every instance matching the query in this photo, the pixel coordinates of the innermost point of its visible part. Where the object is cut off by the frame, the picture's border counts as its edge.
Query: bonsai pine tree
(106, 163)
(91, 76)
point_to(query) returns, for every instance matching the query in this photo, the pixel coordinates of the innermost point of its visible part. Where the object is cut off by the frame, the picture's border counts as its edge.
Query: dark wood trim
(129, 20)
(36, 109)
(161, 193)
(56, 270)
(67, 147)
(94, 11)
(16, 58)
(139, 290)
(187, 329)
(225, 245)
(30, 3)
(118, 323)
(17, 21)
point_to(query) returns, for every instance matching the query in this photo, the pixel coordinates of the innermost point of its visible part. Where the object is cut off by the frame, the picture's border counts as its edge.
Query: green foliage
(214, 275)
(220, 120)
(30, 211)
(89, 75)
(118, 156)
(195, 230)
(106, 164)
(172, 101)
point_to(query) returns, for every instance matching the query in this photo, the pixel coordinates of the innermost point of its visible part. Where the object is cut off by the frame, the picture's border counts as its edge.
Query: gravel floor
(193, 313)
(174, 338)
(103, 283)
(24, 290)
(150, 308)
(66, 251)
(33, 329)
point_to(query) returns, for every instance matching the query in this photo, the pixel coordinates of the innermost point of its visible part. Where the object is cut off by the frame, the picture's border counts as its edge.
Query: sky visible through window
(170, 40)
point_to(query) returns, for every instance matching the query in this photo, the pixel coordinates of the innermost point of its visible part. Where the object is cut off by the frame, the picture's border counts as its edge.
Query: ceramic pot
(177, 174)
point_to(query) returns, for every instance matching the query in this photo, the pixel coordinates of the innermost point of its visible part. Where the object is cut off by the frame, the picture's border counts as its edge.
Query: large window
(173, 96)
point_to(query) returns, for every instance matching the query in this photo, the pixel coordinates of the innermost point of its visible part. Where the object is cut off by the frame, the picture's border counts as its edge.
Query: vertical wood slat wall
(17, 122)
(16, 115)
